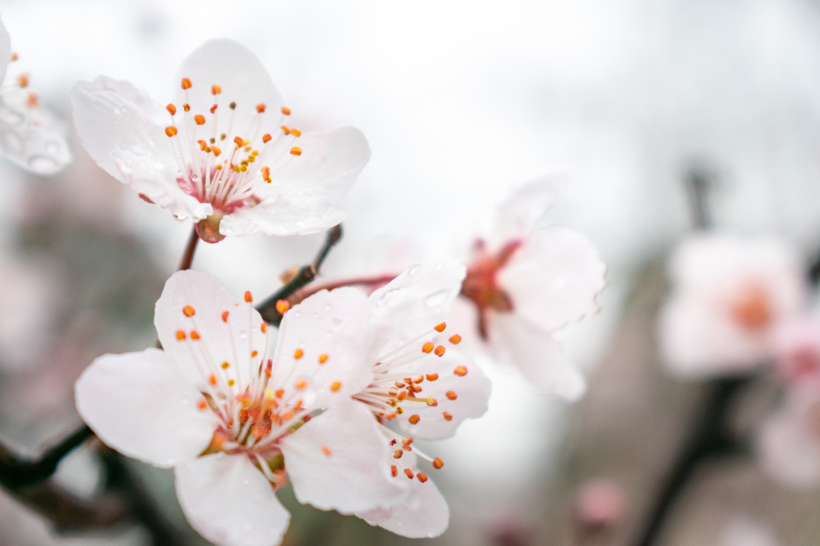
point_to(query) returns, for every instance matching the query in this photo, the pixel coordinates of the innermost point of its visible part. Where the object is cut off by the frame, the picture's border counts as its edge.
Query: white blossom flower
(526, 283)
(222, 154)
(747, 531)
(421, 388)
(231, 421)
(728, 295)
(30, 135)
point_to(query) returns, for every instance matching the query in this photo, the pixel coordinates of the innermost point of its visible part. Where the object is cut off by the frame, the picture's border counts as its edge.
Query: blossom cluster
(332, 396)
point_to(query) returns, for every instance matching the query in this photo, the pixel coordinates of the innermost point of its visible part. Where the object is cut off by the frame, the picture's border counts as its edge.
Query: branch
(70, 513)
(699, 180)
(305, 275)
(16, 473)
(190, 249)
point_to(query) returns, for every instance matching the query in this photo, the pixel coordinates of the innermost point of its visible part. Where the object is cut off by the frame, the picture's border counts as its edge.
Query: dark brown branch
(332, 285)
(190, 249)
(16, 473)
(70, 513)
(305, 275)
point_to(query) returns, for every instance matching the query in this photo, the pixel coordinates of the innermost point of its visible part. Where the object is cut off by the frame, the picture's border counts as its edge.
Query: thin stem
(699, 181)
(16, 473)
(190, 249)
(332, 285)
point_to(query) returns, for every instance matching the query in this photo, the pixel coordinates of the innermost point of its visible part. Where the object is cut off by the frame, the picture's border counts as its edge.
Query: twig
(699, 180)
(305, 275)
(16, 473)
(190, 249)
(332, 285)
(69, 513)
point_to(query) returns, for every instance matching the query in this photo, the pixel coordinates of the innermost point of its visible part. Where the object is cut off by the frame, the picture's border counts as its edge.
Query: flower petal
(302, 196)
(517, 216)
(5, 51)
(138, 404)
(230, 502)
(553, 278)
(414, 302)
(232, 339)
(422, 514)
(329, 333)
(336, 461)
(122, 129)
(243, 80)
(537, 354)
(472, 394)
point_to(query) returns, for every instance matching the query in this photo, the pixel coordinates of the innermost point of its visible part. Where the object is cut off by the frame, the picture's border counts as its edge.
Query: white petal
(414, 302)
(5, 51)
(302, 196)
(517, 216)
(138, 404)
(336, 461)
(233, 341)
(31, 136)
(537, 354)
(334, 324)
(472, 391)
(122, 129)
(553, 278)
(243, 80)
(422, 514)
(230, 502)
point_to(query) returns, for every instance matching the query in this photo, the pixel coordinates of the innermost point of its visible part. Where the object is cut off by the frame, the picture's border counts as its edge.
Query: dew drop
(413, 270)
(52, 147)
(434, 300)
(40, 163)
(243, 334)
(328, 307)
(297, 314)
(335, 323)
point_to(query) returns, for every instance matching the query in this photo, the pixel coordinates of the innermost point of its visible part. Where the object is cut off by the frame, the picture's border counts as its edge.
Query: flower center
(480, 284)
(224, 165)
(752, 308)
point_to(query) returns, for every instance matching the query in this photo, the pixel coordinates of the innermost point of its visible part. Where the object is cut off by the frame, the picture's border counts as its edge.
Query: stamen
(199, 119)
(414, 419)
(394, 471)
(447, 416)
(422, 477)
(188, 311)
(215, 90)
(186, 83)
(286, 110)
(427, 347)
(22, 80)
(195, 335)
(296, 132)
(186, 107)
(438, 463)
(335, 386)
(296, 151)
(326, 451)
(213, 108)
(432, 376)
(248, 297)
(171, 131)
(451, 395)
(171, 109)
(455, 340)
(260, 108)
(440, 328)
(282, 306)
(225, 316)
(266, 138)
(181, 335)
(225, 365)
(440, 350)
(398, 453)
(298, 353)
(232, 106)
(408, 473)
(460, 371)
(322, 358)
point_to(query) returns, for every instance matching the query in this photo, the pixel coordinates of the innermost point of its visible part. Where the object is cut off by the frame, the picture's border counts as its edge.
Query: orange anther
(418, 380)
(232, 106)
(264, 327)
(215, 90)
(31, 100)
(295, 151)
(427, 347)
(414, 419)
(407, 447)
(171, 109)
(181, 335)
(22, 80)
(326, 451)
(399, 384)
(455, 339)
(260, 108)
(447, 416)
(282, 306)
(171, 131)
(231, 382)
(202, 145)
(460, 371)
(451, 395)
(390, 416)
(254, 353)
(266, 138)
(199, 119)
(14, 57)
(239, 142)
(296, 132)
(335, 386)
(422, 477)
(394, 471)
(216, 152)
(286, 110)
(280, 393)
(285, 129)
(402, 395)
(188, 311)
(225, 365)
(408, 473)
(248, 297)
(186, 107)
(186, 83)
(266, 174)
(397, 454)
(225, 316)
(194, 334)
(213, 108)
(407, 441)
(298, 353)
(432, 376)
(438, 463)
(440, 350)
(202, 404)
(432, 401)
(212, 380)
(440, 328)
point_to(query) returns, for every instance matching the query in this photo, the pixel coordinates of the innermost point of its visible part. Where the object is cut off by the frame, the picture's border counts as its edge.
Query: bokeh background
(460, 101)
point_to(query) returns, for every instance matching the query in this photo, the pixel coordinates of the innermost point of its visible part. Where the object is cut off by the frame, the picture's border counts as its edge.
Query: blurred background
(460, 101)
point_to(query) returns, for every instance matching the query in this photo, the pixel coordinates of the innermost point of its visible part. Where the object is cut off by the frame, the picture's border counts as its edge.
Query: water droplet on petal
(52, 147)
(328, 307)
(335, 323)
(243, 334)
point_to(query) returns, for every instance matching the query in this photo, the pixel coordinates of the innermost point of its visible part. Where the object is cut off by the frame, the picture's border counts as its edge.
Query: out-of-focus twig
(699, 180)
(16, 473)
(70, 513)
(190, 249)
(305, 275)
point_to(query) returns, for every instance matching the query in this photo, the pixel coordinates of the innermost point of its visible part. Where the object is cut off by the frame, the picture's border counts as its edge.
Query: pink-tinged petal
(517, 216)
(228, 331)
(336, 461)
(303, 192)
(414, 302)
(553, 278)
(243, 80)
(422, 514)
(5, 51)
(461, 396)
(230, 502)
(788, 443)
(138, 404)
(31, 136)
(123, 130)
(537, 354)
(322, 348)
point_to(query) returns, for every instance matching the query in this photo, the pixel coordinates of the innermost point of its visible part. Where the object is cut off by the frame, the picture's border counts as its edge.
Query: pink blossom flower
(729, 294)
(526, 283)
(232, 422)
(223, 154)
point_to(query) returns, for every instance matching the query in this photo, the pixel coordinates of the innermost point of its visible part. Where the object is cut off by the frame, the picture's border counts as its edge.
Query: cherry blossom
(525, 283)
(729, 296)
(236, 425)
(222, 154)
(30, 135)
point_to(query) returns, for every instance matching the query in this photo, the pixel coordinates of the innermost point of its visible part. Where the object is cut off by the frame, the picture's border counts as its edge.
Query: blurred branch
(305, 275)
(190, 249)
(699, 180)
(709, 438)
(16, 473)
(70, 513)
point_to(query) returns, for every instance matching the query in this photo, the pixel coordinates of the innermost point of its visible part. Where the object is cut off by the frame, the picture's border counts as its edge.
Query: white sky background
(462, 99)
